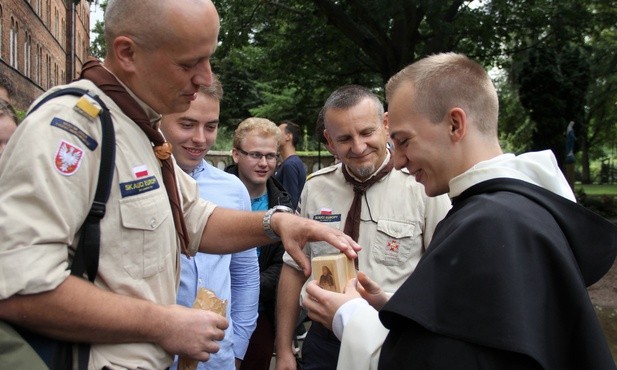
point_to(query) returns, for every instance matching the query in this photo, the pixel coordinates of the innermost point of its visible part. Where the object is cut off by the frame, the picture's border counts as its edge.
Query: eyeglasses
(258, 155)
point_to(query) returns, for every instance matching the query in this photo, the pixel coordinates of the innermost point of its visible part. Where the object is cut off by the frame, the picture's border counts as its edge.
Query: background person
(6, 88)
(361, 196)
(291, 172)
(503, 283)
(232, 277)
(8, 123)
(255, 152)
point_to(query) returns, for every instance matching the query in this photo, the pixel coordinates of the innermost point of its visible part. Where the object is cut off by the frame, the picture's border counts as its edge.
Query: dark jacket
(271, 255)
(509, 266)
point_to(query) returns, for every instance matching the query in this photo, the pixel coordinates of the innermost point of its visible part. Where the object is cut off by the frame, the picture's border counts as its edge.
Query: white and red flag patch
(68, 158)
(140, 171)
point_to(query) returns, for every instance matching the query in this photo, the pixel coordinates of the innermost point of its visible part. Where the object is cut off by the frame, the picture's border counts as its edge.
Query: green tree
(97, 45)
(552, 88)
(280, 59)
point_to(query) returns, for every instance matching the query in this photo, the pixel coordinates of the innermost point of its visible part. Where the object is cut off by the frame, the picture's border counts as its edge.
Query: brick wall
(48, 32)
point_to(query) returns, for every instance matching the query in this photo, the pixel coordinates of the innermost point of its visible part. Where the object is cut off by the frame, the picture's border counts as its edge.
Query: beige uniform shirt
(48, 176)
(398, 221)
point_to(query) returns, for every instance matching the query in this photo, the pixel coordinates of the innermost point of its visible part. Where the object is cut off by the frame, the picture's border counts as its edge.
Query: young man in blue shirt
(232, 277)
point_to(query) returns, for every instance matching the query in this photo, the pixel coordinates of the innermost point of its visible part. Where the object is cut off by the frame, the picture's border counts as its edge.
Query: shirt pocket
(143, 239)
(395, 241)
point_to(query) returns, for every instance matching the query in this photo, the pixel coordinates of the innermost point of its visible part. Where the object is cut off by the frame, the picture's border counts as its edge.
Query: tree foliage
(97, 45)
(555, 58)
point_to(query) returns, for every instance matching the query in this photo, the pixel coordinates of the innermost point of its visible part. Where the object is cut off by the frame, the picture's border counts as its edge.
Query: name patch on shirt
(88, 141)
(138, 186)
(327, 218)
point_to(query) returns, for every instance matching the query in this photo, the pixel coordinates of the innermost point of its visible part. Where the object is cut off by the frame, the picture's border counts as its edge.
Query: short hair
(6, 83)
(256, 125)
(294, 129)
(346, 97)
(6, 109)
(136, 19)
(215, 90)
(447, 80)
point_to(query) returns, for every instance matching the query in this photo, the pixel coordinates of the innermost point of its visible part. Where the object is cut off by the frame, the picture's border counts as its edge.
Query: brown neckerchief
(352, 223)
(93, 70)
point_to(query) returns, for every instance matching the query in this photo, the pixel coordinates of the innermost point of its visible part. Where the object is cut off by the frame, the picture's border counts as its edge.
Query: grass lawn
(598, 189)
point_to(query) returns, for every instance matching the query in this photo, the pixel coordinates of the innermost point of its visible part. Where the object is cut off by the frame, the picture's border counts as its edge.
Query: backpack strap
(86, 258)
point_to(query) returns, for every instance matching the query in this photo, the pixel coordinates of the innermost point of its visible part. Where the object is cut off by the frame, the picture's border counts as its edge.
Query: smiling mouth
(194, 150)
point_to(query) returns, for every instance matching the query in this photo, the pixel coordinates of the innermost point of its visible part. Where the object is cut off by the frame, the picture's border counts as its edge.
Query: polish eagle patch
(68, 158)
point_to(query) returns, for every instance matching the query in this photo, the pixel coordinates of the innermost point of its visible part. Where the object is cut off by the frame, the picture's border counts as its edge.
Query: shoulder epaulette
(323, 171)
(87, 106)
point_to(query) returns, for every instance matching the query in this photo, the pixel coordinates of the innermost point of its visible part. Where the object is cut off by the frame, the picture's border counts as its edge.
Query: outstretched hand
(296, 231)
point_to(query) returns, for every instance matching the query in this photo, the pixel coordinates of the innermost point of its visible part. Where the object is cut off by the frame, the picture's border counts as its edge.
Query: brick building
(42, 43)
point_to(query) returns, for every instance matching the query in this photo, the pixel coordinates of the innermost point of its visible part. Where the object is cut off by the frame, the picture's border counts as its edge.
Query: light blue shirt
(233, 277)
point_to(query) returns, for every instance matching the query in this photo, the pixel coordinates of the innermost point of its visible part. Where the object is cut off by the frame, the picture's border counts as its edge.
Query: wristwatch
(268, 216)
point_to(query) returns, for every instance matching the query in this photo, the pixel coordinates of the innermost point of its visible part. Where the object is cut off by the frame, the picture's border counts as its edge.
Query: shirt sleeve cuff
(344, 313)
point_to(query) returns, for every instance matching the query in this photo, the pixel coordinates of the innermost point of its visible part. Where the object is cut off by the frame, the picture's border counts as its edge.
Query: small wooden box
(333, 271)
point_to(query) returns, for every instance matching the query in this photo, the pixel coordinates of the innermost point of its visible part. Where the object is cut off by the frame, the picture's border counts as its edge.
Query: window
(48, 72)
(38, 65)
(13, 43)
(1, 21)
(48, 13)
(27, 49)
(56, 24)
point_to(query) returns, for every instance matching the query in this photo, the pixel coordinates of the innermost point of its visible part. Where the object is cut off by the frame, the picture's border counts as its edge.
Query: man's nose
(199, 136)
(358, 146)
(203, 75)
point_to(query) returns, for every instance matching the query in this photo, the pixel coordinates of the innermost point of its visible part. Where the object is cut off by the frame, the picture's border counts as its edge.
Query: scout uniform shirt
(398, 221)
(48, 176)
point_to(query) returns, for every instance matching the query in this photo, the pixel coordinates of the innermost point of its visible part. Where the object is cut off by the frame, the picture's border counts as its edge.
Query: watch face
(266, 220)
(283, 209)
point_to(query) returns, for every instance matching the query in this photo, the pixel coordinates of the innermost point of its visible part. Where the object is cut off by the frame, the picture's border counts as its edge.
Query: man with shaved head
(158, 55)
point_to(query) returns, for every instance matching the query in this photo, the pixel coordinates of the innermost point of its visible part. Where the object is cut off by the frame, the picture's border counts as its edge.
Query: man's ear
(385, 123)
(329, 140)
(234, 155)
(457, 120)
(125, 48)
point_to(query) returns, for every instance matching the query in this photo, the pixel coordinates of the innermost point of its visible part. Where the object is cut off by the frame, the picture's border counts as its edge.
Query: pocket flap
(144, 213)
(396, 229)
